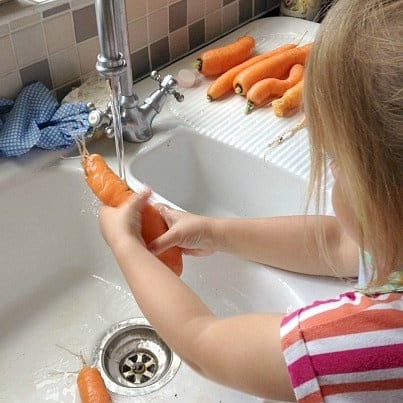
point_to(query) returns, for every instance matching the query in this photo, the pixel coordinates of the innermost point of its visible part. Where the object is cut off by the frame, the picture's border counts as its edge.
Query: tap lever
(167, 84)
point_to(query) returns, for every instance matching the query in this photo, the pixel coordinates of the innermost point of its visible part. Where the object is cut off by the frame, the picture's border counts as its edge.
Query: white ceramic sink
(60, 284)
(205, 176)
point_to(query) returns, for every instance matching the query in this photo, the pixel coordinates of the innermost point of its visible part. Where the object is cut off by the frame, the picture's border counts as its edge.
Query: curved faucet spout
(114, 60)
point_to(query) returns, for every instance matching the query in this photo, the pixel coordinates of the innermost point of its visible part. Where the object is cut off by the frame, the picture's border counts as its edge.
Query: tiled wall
(57, 42)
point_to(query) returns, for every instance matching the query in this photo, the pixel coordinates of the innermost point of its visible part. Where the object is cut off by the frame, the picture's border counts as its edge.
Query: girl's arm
(241, 352)
(289, 243)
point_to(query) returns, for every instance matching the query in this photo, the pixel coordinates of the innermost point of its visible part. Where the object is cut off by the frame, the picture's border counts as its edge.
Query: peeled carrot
(92, 387)
(290, 101)
(113, 191)
(275, 67)
(223, 84)
(219, 60)
(262, 91)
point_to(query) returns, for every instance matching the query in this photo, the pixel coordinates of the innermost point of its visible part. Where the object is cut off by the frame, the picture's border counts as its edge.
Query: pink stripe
(363, 359)
(301, 371)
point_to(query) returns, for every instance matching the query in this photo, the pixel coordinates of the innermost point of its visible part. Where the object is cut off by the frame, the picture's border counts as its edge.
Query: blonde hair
(354, 108)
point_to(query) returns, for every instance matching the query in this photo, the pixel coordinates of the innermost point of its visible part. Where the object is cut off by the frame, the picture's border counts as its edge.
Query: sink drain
(134, 359)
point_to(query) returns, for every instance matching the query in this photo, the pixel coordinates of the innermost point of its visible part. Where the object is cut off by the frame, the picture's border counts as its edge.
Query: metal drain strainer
(134, 360)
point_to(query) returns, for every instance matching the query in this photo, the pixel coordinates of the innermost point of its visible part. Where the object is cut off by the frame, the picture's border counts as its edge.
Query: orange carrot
(223, 84)
(290, 101)
(218, 60)
(275, 67)
(92, 387)
(262, 91)
(113, 191)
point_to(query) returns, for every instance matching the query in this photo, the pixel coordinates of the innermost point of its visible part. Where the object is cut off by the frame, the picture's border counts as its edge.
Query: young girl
(349, 348)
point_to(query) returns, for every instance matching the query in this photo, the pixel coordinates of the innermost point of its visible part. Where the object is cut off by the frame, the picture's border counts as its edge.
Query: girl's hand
(123, 222)
(191, 232)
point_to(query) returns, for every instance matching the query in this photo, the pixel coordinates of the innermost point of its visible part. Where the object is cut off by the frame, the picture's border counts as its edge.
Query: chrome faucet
(114, 61)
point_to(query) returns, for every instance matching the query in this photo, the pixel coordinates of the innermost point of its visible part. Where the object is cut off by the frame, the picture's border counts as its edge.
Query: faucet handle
(167, 84)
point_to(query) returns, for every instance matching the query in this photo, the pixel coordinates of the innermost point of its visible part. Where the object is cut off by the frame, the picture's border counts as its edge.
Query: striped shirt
(347, 349)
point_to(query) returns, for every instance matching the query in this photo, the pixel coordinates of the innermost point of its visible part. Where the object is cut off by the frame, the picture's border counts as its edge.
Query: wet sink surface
(61, 286)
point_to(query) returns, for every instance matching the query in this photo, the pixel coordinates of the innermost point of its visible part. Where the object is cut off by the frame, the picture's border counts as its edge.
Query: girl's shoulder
(333, 343)
(352, 306)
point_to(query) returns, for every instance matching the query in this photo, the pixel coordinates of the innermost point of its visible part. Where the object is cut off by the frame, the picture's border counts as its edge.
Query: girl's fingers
(162, 243)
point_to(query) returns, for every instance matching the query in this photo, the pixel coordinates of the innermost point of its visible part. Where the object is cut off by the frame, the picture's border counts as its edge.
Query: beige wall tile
(156, 4)
(137, 34)
(25, 21)
(178, 42)
(59, 33)
(213, 24)
(212, 5)
(87, 54)
(10, 85)
(158, 24)
(195, 10)
(64, 66)
(230, 16)
(29, 45)
(8, 61)
(136, 9)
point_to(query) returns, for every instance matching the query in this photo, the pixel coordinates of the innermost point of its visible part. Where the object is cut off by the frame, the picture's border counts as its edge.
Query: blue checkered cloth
(36, 119)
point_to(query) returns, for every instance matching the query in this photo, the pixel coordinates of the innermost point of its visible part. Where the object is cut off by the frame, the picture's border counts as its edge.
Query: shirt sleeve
(349, 348)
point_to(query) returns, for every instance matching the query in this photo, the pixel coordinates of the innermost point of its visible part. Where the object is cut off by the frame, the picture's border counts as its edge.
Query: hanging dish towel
(36, 119)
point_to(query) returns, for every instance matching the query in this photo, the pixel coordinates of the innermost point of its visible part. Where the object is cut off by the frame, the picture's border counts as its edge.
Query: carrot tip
(210, 98)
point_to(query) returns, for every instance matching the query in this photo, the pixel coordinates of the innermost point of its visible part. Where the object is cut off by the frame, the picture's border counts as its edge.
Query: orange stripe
(389, 384)
(347, 309)
(314, 397)
(358, 323)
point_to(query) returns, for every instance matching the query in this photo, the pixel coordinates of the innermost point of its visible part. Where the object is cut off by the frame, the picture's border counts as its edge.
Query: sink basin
(61, 286)
(205, 176)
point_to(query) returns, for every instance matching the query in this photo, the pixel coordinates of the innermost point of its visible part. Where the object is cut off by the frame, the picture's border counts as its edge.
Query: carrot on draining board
(261, 92)
(218, 60)
(113, 191)
(275, 67)
(290, 101)
(223, 84)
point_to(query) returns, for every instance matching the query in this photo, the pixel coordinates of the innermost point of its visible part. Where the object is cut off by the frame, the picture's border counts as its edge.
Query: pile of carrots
(274, 77)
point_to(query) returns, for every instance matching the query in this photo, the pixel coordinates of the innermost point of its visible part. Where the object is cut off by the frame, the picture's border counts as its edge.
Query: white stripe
(397, 304)
(389, 396)
(295, 351)
(324, 306)
(306, 388)
(329, 306)
(375, 338)
(363, 376)
(289, 326)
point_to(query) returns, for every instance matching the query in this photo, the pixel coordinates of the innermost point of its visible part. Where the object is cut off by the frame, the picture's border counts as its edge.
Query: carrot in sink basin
(113, 191)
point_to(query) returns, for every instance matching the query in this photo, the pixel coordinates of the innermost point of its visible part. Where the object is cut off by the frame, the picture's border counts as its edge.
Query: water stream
(113, 84)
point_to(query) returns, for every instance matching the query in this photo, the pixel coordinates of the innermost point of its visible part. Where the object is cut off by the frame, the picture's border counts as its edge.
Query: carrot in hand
(223, 84)
(113, 191)
(219, 60)
(290, 101)
(275, 67)
(92, 387)
(264, 90)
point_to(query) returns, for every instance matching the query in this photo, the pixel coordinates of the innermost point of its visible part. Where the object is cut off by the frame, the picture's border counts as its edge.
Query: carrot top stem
(197, 64)
(238, 89)
(249, 107)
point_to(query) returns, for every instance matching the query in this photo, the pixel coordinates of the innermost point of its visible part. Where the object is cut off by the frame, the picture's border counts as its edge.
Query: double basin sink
(60, 285)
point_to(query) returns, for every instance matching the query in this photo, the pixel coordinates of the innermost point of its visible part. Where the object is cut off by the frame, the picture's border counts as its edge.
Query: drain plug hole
(139, 367)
